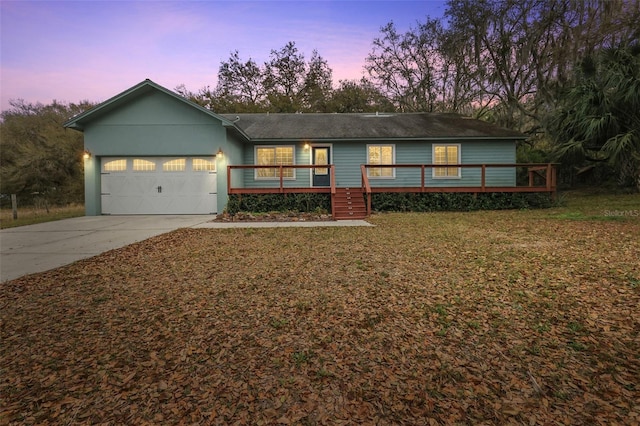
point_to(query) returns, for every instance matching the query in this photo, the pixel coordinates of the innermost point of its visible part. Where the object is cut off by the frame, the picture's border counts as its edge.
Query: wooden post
(483, 174)
(14, 206)
(554, 182)
(281, 180)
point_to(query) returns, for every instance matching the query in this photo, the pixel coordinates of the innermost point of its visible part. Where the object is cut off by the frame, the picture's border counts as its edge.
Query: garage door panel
(141, 185)
(158, 191)
(174, 184)
(203, 183)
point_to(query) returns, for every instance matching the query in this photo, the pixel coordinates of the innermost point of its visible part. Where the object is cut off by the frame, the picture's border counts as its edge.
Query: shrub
(263, 203)
(396, 202)
(445, 201)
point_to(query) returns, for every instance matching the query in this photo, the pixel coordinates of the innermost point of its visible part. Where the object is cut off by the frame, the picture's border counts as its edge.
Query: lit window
(275, 155)
(115, 166)
(140, 165)
(446, 154)
(202, 165)
(380, 154)
(177, 165)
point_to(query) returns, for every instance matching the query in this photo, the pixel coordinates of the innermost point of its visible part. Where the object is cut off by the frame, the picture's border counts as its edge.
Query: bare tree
(406, 67)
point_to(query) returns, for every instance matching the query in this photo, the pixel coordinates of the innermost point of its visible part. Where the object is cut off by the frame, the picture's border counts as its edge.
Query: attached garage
(158, 185)
(150, 151)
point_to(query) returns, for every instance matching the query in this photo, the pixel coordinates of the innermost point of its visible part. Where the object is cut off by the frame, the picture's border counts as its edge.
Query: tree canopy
(39, 156)
(597, 120)
(565, 72)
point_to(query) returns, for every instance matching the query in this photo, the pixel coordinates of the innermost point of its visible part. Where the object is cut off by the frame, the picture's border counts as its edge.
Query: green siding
(155, 124)
(348, 156)
(487, 153)
(475, 152)
(92, 203)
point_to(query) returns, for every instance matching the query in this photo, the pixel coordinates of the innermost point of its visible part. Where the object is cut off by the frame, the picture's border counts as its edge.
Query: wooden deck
(542, 178)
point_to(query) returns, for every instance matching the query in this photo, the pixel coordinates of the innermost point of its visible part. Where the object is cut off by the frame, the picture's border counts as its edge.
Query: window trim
(433, 160)
(393, 161)
(274, 147)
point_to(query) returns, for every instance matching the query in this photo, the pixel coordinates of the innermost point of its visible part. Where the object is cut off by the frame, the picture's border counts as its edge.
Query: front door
(320, 156)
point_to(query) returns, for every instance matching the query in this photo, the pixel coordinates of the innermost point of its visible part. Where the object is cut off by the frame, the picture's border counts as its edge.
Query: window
(202, 165)
(115, 166)
(274, 155)
(143, 165)
(446, 154)
(381, 154)
(177, 165)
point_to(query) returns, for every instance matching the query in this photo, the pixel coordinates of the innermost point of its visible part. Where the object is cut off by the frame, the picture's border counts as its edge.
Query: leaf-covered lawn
(447, 318)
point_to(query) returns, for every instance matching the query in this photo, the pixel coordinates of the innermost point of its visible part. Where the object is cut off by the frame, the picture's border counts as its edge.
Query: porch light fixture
(307, 146)
(86, 154)
(220, 153)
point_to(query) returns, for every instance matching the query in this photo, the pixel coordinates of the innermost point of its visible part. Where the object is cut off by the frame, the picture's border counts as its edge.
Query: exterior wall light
(307, 146)
(220, 153)
(86, 154)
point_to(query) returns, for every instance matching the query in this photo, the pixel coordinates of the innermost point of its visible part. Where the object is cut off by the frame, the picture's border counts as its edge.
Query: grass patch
(32, 216)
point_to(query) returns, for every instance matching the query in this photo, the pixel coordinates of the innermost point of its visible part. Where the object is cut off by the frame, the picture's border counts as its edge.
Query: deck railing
(281, 179)
(281, 184)
(546, 172)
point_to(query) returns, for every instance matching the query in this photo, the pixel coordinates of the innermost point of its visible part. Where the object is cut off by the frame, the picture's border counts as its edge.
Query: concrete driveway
(36, 248)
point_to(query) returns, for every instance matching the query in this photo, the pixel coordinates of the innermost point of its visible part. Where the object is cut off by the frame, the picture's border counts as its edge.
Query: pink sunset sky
(91, 50)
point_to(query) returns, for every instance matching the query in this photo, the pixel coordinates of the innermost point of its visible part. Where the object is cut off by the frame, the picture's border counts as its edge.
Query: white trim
(393, 160)
(433, 160)
(310, 153)
(255, 162)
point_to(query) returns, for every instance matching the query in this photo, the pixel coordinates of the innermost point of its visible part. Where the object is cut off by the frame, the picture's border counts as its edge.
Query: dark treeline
(40, 160)
(565, 72)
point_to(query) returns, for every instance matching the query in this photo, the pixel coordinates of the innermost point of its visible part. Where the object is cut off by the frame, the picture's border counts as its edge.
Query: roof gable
(399, 126)
(122, 99)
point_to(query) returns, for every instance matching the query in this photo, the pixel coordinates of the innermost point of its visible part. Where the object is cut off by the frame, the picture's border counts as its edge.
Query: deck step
(349, 204)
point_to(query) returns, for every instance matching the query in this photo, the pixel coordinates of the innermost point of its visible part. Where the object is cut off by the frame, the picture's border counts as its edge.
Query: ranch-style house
(151, 151)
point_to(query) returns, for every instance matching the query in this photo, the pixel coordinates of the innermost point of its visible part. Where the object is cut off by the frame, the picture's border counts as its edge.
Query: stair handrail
(366, 187)
(333, 191)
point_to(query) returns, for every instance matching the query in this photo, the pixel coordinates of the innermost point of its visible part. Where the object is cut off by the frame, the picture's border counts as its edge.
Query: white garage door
(158, 185)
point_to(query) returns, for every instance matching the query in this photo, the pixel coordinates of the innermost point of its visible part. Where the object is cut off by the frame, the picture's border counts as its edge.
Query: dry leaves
(426, 319)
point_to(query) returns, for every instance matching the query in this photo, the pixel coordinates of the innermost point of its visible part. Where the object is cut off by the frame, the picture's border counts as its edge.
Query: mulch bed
(273, 217)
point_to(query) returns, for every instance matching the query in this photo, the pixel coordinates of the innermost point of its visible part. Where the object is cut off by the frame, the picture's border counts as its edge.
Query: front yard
(508, 317)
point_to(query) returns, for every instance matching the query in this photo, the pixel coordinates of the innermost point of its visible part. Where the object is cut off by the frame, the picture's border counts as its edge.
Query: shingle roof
(271, 127)
(334, 127)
